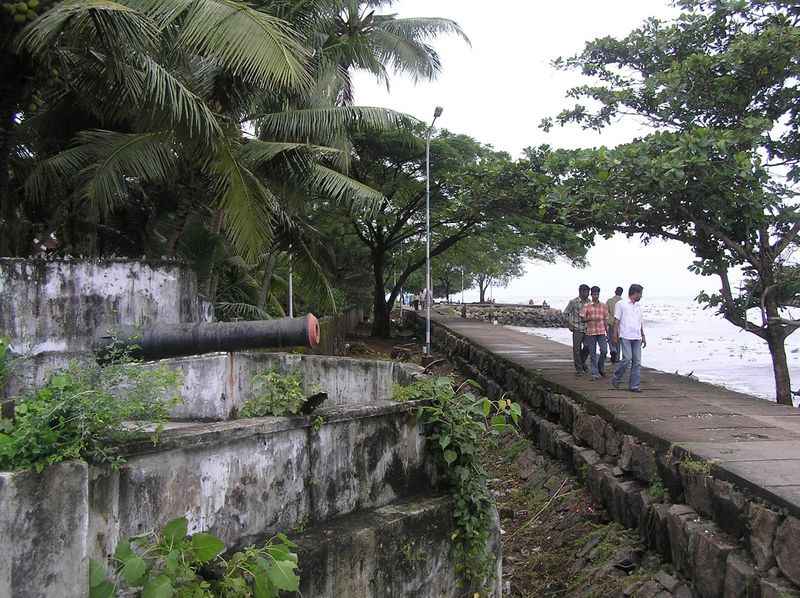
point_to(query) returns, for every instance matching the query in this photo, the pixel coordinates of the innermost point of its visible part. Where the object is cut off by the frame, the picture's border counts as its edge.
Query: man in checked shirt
(595, 314)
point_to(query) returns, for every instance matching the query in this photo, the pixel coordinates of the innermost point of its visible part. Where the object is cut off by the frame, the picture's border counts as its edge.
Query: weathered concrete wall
(51, 310)
(60, 305)
(214, 387)
(397, 551)
(247, 477)
(43, 532)
(719, 536)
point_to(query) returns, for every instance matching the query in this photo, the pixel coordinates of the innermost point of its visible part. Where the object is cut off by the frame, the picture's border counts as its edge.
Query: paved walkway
(755, 443)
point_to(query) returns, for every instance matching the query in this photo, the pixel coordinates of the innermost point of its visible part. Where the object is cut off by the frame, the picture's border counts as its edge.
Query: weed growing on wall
(83, 411)
(171, 563)
(275, 394)
(456, 424)
(5, 363)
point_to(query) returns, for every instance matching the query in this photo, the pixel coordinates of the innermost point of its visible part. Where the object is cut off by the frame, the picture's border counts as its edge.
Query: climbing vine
(456, 423)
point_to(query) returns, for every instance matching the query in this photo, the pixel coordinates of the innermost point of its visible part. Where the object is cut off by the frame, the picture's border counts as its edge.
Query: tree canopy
(719, 85)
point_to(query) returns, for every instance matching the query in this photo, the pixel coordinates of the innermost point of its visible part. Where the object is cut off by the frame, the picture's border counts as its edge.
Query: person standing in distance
(629, 336)
(595, 314)
(611, 304)
(576, 324)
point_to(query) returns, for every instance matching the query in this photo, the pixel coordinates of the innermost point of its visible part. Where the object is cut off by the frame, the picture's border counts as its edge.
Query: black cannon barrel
(174, 340)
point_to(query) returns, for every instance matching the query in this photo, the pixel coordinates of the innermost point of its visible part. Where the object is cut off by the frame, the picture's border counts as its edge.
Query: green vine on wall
(457, 422)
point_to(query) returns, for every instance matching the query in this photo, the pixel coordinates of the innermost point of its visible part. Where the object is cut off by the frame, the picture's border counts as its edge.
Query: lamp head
(438, 112)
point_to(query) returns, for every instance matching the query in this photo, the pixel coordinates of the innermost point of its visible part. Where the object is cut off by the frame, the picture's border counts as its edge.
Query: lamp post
(428, 294)
(291, 290)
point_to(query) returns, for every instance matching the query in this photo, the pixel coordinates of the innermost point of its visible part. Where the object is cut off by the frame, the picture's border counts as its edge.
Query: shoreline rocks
(517, 315)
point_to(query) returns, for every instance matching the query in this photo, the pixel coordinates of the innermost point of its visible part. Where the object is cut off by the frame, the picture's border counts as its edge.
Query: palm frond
(258, 47)
(412, 57)
(341, 187)
(248, 206)
(323, 123)
(420, 28)
(256, 152)
(164, 94)
(121, 158)
(112, 24)
(246, 311)
(55, 173)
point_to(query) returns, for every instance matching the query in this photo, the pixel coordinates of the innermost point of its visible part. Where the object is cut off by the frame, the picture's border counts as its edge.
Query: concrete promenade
(751, 442)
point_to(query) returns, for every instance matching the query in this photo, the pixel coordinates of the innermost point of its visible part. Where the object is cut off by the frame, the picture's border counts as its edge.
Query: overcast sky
(498, 91)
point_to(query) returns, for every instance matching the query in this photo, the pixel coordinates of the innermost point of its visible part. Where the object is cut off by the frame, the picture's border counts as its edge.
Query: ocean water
(683, 337)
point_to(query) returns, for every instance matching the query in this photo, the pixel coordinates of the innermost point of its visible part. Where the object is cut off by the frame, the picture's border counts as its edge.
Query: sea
(683, 337)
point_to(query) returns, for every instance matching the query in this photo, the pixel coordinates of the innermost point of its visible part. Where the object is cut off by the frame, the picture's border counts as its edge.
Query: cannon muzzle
(175, 340)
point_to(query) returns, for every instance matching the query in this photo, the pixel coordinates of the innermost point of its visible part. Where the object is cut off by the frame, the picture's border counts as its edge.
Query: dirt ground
(556, 540)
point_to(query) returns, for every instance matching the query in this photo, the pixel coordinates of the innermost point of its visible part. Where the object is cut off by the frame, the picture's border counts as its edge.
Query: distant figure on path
(572, 315)
(595, 314)
(612, 303)
(629, 334)
(417, 301)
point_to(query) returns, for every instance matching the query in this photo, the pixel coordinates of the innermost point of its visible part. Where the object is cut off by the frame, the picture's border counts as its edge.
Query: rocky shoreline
(518, 315)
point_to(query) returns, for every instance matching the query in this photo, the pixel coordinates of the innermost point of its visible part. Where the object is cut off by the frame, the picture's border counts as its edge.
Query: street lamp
(428, 294)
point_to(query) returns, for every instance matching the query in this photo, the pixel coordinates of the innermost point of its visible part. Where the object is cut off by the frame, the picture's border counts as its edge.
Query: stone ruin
(354, 493)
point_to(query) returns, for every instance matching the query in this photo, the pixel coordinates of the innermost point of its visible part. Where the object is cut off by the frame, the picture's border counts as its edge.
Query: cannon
(176, 340)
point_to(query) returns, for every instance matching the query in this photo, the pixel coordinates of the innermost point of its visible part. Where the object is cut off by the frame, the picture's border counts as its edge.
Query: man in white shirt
(629, 336)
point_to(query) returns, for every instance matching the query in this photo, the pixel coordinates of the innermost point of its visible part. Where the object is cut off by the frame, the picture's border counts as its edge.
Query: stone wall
(725, 541)
(52, 310)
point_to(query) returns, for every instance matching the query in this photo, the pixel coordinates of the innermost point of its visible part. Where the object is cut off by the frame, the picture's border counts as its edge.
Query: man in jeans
(572, 316)
(595, 314)
(612, 304)
(629, 334)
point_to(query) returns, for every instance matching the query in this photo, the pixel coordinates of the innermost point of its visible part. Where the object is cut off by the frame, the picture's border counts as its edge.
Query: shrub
(170, 563)
(83, 411)
(275, 394)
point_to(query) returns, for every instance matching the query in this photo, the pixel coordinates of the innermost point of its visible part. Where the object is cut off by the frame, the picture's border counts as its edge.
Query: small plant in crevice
(456, 424)
(84, 412)
(657, 490)
(695, 466)
(5, 363)
(170, 564)
(278, 394)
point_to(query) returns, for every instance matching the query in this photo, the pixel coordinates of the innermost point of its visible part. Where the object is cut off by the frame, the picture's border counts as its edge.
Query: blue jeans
(631, 353)
(598, 361)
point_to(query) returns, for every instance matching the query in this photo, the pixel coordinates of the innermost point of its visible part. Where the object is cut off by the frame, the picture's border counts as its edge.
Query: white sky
(499, 90)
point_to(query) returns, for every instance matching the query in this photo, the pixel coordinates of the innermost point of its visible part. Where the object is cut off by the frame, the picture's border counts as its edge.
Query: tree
(475, 191)
(720, 85)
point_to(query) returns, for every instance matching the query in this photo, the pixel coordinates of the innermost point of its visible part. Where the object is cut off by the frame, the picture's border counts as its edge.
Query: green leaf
(97, 573)
(105, 589)
(206, 546)
(499, 422)
(123, 550)
(160, 587)
(133, 570)
(486, 405)
(516, 409)
(262, 588)
(444, 441)
(281, 575)
(171, 562)
(175, 531)
(450, 456)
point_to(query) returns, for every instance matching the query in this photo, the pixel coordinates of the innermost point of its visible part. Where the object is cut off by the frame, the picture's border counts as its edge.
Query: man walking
(611, 304)
(595, 314)
(629, 335)
(572, 315)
